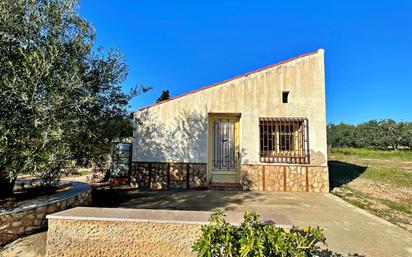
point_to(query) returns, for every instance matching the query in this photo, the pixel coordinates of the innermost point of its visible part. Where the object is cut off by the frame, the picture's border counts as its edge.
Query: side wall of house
(177, 131)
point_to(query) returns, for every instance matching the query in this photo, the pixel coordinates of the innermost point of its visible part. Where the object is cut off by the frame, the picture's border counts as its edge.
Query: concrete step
(225, 186)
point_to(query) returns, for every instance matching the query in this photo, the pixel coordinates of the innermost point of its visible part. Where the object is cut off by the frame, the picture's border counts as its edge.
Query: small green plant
(254, 238)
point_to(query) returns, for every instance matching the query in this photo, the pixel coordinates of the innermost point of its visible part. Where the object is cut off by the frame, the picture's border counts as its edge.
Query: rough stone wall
(318, 179)
(267, 178)
(198, 175)
(274, 178)
(17, 224)
(252, 177)
(289, 178)
(109, 238)
(157, 175)
(295, 179)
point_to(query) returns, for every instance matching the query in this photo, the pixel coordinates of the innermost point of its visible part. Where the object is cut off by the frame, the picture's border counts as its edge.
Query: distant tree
(405, 134)
(383, 134)
(165, 95)
(367, 134)
(341, 135)
(59, 99)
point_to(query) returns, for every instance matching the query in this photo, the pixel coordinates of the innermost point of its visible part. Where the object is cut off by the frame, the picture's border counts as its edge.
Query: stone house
(264, 131)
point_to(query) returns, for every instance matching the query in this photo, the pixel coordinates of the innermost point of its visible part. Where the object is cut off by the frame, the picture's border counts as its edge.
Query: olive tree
(60, 98)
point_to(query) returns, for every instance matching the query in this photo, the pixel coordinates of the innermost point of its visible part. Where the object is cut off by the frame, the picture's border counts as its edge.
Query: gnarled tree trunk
(6, 185)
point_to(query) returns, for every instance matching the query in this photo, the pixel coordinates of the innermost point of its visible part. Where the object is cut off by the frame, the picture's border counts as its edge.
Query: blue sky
(184, 45)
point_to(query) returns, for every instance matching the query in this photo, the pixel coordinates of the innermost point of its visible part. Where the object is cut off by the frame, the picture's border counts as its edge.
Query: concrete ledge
(129, 232)
(155, 216)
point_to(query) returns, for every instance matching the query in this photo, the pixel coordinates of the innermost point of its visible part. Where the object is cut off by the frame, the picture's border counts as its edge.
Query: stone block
(16, 224)
(40, 215)
(6, 218)
(27, 221)
(41, 209)
(51, 208)
(30, 216)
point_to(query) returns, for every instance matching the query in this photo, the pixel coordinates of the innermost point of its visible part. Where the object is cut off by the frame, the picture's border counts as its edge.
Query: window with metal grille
(284, 140)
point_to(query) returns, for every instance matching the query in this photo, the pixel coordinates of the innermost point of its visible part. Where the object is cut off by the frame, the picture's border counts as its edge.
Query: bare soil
(375, 197)
(389, 201)
(29, 246)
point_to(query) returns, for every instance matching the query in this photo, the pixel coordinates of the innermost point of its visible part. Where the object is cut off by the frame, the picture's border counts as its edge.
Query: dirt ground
(381, 196)
(348, 229)
(29, 246)
(379, 199)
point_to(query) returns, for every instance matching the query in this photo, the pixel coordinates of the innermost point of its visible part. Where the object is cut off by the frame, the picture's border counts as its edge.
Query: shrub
(255, 238)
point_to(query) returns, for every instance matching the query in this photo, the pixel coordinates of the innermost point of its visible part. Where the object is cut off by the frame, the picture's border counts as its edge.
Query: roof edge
(320, 50)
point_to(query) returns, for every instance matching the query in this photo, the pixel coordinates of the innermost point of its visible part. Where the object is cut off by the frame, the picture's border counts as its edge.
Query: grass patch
(369, 203)
(356, 202)
(374, 167)
(344, 172)
(388, 175)
(372, 154)
(405, 207)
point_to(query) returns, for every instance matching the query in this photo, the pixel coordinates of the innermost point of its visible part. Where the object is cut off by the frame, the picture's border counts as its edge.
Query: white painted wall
(176, 131)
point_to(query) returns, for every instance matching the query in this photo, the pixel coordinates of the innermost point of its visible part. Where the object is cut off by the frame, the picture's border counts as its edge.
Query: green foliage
(59, 99)
(383, 134)
(253, 238)
(389, 167)
(165, 95)
(349, 152)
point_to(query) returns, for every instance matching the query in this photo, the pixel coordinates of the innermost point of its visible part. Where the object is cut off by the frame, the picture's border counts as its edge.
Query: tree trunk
(6, 185)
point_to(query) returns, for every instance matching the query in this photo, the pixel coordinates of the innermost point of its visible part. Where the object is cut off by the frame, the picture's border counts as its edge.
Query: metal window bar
(284, 140)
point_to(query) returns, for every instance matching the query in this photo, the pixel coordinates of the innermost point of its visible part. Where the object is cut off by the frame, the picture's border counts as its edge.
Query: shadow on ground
(196, 200)
(328, 253)
(341, 173)
(172, 199)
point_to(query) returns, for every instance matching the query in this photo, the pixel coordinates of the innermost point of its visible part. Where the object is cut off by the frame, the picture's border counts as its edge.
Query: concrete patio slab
(348, 229)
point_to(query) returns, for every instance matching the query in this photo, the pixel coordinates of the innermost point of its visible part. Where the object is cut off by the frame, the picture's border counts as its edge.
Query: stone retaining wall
(160, 175)
(31, 218)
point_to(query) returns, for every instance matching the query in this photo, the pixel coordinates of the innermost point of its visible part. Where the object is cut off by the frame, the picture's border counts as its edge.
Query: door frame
(212, 116)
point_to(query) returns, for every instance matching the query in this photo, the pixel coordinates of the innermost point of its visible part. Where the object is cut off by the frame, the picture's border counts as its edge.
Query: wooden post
(187, 175)
(168, 175)
(264, 179)
(150, 175)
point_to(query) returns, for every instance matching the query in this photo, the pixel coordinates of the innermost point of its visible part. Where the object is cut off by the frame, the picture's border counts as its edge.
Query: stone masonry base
(269, 178)
(256, 177)
(161, 175)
